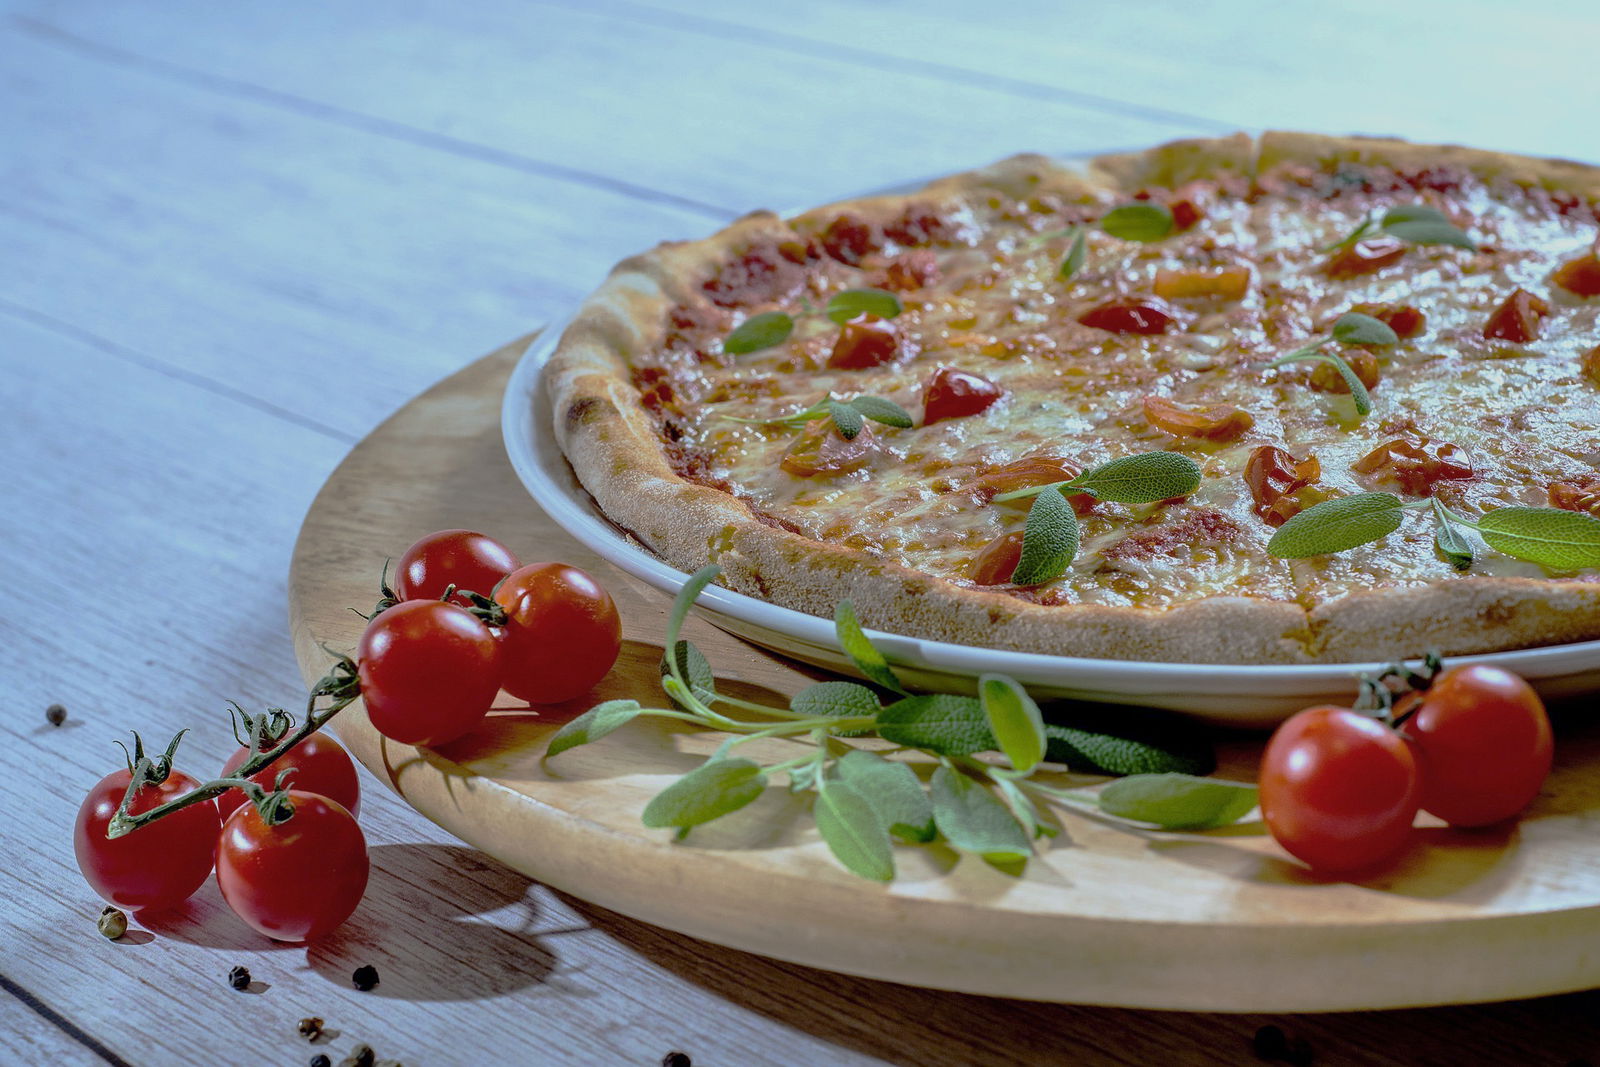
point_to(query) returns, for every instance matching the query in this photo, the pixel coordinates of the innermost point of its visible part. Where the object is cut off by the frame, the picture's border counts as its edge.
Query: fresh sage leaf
(1352, 380)
(1023, 809)
(592, 725)
(893, 789)
(943, 723)
(854, 831)
(1049, 540)
(708, 792)
(765, 330)
(846, 418)
(1339, 524)
(1076, 256)
(1449, 540)
(689, 665)
(852, 302)
(868, 660)
(972, 820)
(885, 411)
(1178, 801)
(1155, 746)
(840, 700)
(1354, 328)
(1551, 537)
(1138, 222)
(687, 595)
(1422, 225)
(1141, 479)
(1014, 720)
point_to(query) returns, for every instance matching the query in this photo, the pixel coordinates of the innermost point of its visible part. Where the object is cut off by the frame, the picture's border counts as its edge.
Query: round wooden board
(1216, 922)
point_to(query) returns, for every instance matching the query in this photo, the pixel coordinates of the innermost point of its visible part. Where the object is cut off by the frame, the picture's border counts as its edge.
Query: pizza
(1287, 399)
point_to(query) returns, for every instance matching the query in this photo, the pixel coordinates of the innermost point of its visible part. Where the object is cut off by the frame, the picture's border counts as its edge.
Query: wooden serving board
(1220, 921)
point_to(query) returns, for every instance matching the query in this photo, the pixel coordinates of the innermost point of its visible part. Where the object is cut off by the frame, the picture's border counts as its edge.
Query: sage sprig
(1353, 328)
(1139, 221)
(847, 415)
(772, 328)
(1551, 537)
(863, 802)
(1416, 224)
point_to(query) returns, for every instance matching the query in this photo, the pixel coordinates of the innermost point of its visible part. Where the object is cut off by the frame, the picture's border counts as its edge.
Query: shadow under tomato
(206, 920)
(425, 925)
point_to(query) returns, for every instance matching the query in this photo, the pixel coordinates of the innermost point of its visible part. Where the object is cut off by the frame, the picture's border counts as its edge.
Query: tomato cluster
(1341, 788)
(430, 668)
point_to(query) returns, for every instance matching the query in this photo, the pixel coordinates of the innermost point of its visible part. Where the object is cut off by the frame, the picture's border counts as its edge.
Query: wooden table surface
(234, 236)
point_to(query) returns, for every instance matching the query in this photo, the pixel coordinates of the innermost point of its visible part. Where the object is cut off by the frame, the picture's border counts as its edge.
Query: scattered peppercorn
(239, 978)
(112, 922)
(361, 1056)
(321, 1060)
(365, 977)
(55, 715)
(676, 1059)
(310, 1028)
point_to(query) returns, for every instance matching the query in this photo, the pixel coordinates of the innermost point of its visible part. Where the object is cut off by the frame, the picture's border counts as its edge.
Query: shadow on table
(420, 926)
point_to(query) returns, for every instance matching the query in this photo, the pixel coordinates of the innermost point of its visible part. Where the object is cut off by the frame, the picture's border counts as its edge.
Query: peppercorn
(112, 922)
(365, 977)
(239, 978)
(55, 715)
(361, 1056)
(321, 1060)
(676, 1059)
(310, 1028)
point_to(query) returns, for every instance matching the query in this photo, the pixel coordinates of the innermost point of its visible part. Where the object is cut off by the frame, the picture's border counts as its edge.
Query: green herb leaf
(893, 789)
(1336, 525)
(1023, 809)
(852, 302)
(1352, 381)
(1178, 801)
(1551, 537)
(1149, 747)
(841, 700)
(885, 411)
(1354, 328)
(766, 330)
(942, 723)
(846, 418)
(868, 660)
(1366, 225)
(1141, 479)
(687, 595)
(592, 725)
(1449, 540)
(1049, 539)
(972, 820)
(689, 666)
(1138, 222)
(1014, 720)
(854, 832)
(710, 791)
(1423, 225)
(1076, 255)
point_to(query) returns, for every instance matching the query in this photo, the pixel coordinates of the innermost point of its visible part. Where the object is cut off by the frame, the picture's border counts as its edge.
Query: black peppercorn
(310, 1028)
(239, 978)
(676, 1059)
(55, 715)
(112, 922)
(361, 1056)
(1270, 1043)
(321, 1060)
(365, 977)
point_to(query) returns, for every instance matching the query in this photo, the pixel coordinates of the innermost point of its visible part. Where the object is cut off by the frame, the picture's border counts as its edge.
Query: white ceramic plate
(1227, 694)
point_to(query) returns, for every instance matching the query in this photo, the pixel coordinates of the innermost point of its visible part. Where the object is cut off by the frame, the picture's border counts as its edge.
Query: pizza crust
(611, 441)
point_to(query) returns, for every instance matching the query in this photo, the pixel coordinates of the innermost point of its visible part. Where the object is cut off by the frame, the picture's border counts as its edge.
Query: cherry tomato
(294, 880)
(1219, 422)
(953, 393)
(821, 451)
(1367, 256)
(1483, 744)
(460, 558)
(157, 865)
(1145, 316)
(320, 764)
(429, 671)
(1580, 276)
(1517, 319)
(1339, 790)
(865, 341)
(562, 633)
(997, 561)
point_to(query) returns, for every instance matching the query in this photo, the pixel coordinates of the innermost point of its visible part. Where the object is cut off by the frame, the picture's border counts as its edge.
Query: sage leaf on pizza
(1038, 322)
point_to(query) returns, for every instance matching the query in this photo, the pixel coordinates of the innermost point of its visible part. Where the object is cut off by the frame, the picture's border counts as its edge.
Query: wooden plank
(29, 1036)
(1432, 70)
(325, 271)
(739, 123)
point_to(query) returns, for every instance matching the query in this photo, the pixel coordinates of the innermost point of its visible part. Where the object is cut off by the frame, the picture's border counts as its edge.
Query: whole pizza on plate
(1246, 400)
